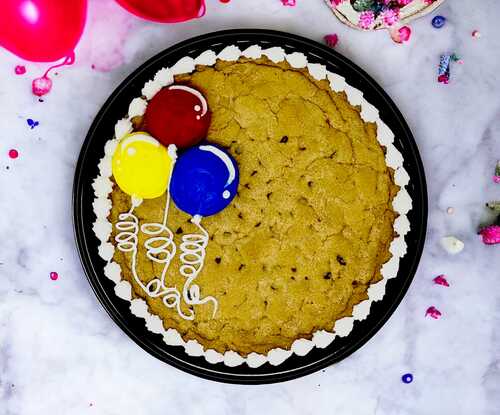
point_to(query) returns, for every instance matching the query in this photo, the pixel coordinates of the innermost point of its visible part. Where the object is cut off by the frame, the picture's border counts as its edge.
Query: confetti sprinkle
(224, 1)
(331, 40)
(490, 234)
(496, 177)
(494, 205)
(441, 280)
(438, 22)
(54, 276)
(452, 245)
(32, 123)
(13, 154)
(476, 34)
(20, 70)
(400, 34)
(450, 211)
(407, 378)
(291, 3)
(444, 67)
(433, 312)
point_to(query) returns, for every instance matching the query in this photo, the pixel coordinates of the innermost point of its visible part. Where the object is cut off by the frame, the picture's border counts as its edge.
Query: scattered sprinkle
(438, 22)
(54, 276)
(407, 378)
(441, 280)
(331, 40)
(20, 70)
(476, 34)
(224, 1)
(490, 234)
(496, 177)
(450, 211)
(494, 205)
(433, 312)
(32, 123)
(291, 3)
(452, 245)
(400, 34)
(444, 67)
(13, 153)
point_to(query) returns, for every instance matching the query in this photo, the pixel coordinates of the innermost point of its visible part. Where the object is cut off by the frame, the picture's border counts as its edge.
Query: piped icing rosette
(129, 232)
(380, 14)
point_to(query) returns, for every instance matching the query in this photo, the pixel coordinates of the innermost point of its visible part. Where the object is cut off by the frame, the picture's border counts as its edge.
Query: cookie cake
(251, 205)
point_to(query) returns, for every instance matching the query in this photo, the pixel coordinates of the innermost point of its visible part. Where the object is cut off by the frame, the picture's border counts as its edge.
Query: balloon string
(68, 60)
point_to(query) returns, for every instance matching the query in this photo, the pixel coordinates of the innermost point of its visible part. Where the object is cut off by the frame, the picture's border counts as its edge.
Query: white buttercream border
(102, 207)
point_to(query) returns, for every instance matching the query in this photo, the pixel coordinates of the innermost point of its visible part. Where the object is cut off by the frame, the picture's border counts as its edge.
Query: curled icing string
(193, 248)
(160, 248)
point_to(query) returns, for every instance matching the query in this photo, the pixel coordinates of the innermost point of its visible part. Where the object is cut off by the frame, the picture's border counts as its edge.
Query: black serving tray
(92, 151)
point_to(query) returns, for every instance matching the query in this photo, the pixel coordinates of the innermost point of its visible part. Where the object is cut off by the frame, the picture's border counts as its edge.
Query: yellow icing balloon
(142, 166)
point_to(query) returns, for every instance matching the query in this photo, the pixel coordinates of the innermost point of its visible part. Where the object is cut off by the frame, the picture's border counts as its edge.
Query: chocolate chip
(269, 195)
(328, 276)
(341, 260)
(240, 215)
(241, 267)
(310, 183)
(284, 139)
(254, 173)
(302, 148)
(179, 230)
(247, 185)
(258, 224)
(218, 260)
(294, 269)
(306, 278)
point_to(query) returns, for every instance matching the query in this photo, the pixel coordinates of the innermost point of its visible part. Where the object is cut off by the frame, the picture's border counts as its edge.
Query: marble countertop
(60, 353)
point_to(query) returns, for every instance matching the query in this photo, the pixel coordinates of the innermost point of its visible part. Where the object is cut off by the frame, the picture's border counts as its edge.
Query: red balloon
(165, 11)
(178, 115)
(41, 30)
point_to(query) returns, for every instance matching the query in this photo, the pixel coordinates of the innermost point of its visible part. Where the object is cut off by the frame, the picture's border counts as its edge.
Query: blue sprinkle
(407, 378)
(32, 123)
(438, 22)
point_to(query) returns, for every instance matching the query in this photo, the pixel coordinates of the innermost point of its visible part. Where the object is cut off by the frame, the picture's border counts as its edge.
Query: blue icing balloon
(204, 181)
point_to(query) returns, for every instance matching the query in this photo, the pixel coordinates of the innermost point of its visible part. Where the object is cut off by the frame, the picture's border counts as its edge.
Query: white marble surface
(61, 354)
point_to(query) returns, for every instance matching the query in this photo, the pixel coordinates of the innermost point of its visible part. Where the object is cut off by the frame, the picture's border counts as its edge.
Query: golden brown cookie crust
(312, 222)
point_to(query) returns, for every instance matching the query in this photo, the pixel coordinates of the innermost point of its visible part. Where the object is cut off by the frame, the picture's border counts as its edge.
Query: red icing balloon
(178, 115)
(165, 11)
(41, 30)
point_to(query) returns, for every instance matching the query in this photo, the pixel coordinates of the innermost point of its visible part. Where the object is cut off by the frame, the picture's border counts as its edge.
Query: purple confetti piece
(32, 123)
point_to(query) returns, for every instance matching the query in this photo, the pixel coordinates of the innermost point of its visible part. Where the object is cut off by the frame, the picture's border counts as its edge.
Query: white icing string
(193, 249)
(161, 248)
(198, 94)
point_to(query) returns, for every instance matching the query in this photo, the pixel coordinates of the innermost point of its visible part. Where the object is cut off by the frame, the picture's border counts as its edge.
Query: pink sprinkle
(54, 276)
(496, 179)
(433, 312)
(331, 40)
(13, 153)
(476, 34)
(490, 234)
(20, 70)
(291, 3)
(441, 280)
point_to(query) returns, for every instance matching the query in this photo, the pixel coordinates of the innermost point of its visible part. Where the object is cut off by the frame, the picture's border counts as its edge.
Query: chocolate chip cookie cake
(251, 205)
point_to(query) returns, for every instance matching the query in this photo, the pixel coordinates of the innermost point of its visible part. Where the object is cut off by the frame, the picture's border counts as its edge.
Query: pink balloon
(41, 30)
(165, 11)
